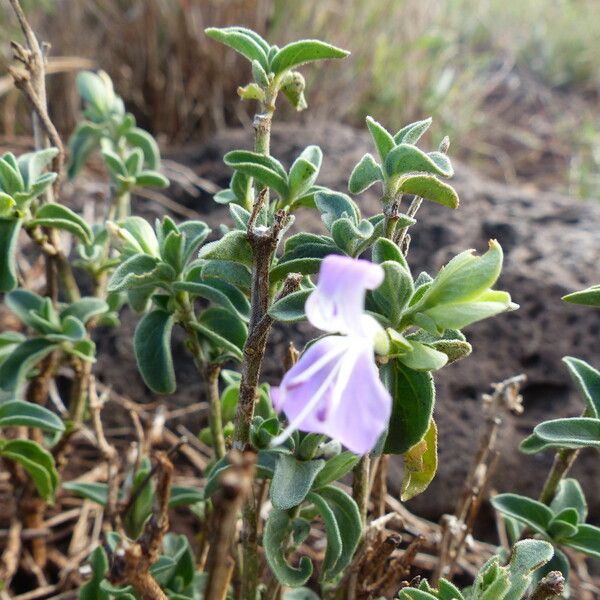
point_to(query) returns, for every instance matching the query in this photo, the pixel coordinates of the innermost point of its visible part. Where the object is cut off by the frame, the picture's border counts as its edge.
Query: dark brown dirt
(551, 248)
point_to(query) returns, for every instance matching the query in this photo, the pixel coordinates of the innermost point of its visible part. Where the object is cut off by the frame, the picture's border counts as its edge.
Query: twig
(235, 485)
(456, 528)
(551, 586)
(9, 561)
(111, 456)
(161, 457)
(131, 565)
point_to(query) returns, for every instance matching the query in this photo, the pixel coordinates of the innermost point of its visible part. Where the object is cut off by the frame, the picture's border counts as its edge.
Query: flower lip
(337, 303)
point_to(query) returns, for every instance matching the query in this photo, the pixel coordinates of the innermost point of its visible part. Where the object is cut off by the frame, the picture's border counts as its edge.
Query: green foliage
(61, 328)
(37, 462)
(273, 67)
(131, 155)
(494, 581)
(562, 523)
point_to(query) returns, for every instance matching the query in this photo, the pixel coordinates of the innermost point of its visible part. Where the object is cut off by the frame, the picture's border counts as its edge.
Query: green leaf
(413, 594)
(411, 134)
(304, 170)
(430, 188)
(588, 297)
(392, 296)
(293, 480)
(265, 175)
(114, 163)
(152, 179)
(195, 233)
(586, 540)
(334, 206)
(92, 590)
(139, 236)
(11, 181)
(141, 509)
(534, 514)
(7, 204)
(563, 525)
(335, 468)
(413, 396)
(300, 594)
(233, 247)
(406, 158)
(305, 266)
(570, 495)
(364, 175)
(38, 463)
(385, 250)
(527, 556)
(19, 413)
(225, 331)
(211, 289)
(350, 237)
(85, 308)
(143, 140)
(461, 314)
(291, 308)
(574, 432)
(242, 41)
(184, 496)
(465, 278)
(242, 157)
(33, 164)
(9, 233)
(93, 90)
(587, 380)
(81, 145)
(96, 492)
(152, 346)
(18, 364)
(276, 534)
(384, 142)
(420, 465)
(140, 270)
(349, 523)
(303, 51)
(422, 357)
(332, 531)
(230, 272)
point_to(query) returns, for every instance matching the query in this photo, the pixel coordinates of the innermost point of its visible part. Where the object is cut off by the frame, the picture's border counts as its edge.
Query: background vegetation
(514, 82)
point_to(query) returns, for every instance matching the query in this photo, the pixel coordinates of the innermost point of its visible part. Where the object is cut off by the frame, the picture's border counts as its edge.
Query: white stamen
(308, 373)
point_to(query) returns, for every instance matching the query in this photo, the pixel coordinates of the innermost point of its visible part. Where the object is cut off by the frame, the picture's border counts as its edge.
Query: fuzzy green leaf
(413, 396)
(9, 233)
(152, 346)
(430, 188)
(303, 51)
(293, 480)
(277, 530)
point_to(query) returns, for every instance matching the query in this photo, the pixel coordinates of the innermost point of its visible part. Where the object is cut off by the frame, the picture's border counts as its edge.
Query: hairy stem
(215, 418)
(122, 205)
(263, 246)
(563, 461)
(210, 373)
(360, 486)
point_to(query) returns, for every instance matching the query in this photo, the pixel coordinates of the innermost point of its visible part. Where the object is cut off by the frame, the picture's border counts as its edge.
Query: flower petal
(343, 398)
(337, 303)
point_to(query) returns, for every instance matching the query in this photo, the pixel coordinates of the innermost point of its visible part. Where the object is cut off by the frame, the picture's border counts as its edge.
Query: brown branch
(131, 565)
(9, 561)
(551, 586)
(235, 485)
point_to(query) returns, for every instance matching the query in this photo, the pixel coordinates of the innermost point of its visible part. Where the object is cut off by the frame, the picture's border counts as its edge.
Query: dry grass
(514, 83)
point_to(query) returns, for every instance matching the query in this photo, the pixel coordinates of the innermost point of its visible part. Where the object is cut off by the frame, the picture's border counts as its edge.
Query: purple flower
(334, 388)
